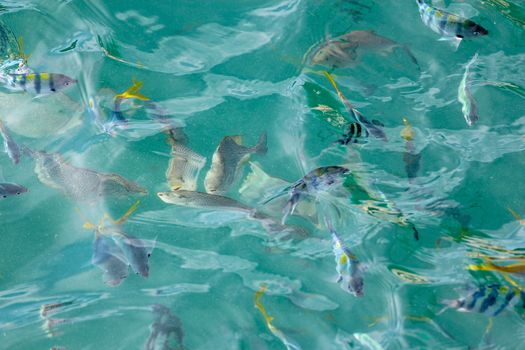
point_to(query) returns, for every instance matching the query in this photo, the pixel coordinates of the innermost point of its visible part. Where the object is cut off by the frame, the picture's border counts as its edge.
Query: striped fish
(450, 26)
(490, 300)
(37, 83)
(354, 134)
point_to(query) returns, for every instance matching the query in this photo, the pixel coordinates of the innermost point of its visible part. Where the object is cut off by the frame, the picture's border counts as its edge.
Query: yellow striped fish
(38, 83)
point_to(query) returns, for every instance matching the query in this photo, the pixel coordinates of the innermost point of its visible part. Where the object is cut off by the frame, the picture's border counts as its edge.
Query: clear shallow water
(225, 68)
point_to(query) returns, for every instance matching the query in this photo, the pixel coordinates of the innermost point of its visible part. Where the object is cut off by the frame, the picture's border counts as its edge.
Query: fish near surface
(347, 50)
(37, 83)
(8, 189)
(227, 161)
(468, 103)
(195, 199)
(450, 26)
(184, 168)
(165, 326)
(79, 183)
(109, 258)
(10, 146)
(134, 250)
(490, 300)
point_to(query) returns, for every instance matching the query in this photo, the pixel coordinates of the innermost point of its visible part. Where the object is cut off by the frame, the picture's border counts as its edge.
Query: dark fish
(165, 327)
(10, 146)
(347, 50)
(355, 133)
(10, 189)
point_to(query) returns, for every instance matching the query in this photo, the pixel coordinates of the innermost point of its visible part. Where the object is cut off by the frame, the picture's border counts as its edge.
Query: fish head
(62, 81)
(8, 189)
(475, 29)
(137, 254)
(174, 197)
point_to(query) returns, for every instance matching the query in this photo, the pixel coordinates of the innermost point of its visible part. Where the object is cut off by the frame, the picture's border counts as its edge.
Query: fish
(10, 146)
(37, 83)
(373, 127)
(355, 133)
(290, 345)
(79, 183)
(131, 93)
(347, 50)
(134, 250)
(47, 309)
(468, 103)
(227, 161)
(184, 168)
(8, 189)
(319, 179)
(165, 326)
(196, 199)
(491, 300)
(411, 158)
(349, 270)
(450, 26)
(109, 258)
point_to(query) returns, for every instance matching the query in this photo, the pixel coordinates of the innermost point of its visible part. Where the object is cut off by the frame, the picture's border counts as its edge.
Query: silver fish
(135, 251)
(184, 168)
(347, 50)
(227, 161)
(79, 183)
(10, 189)
(195, 199)
(37, 83)
(164, 327)
(10, 146)
(468, 103)
(450, 26)
(109, 258)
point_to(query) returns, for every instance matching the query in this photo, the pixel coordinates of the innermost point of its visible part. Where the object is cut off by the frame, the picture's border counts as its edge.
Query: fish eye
(4, 196)
(149, 254)
(18, 193)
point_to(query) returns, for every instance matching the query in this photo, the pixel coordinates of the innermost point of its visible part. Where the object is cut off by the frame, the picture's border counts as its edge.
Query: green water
(241, 68)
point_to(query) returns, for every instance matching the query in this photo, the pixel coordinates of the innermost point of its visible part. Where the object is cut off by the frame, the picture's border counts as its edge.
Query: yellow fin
(88, 225)
(334, 84)
(517, 217)
(133, 92)
(127, 214)
(407, 133)
(21, 51)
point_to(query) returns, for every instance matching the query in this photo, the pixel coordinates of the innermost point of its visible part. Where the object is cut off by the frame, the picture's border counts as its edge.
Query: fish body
(490, 300)
(348, 267)
(449, 25)
(184, 168)
(8, 189)
(354, 134)
(373, 127)
(37, 83)
(164, 327)
(196, 199)
(109, 258)
(468, 103)
(346, 50)
(135, 252)
(227, 161)
(79, 183)
(10, 146)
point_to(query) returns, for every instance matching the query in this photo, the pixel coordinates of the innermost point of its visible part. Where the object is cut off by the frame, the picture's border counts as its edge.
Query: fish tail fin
(127, 213)
(262, 144)
(449, 304)
(133, 92)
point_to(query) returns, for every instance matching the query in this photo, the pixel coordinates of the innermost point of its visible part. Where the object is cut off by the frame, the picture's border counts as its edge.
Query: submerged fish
(79, 183)
(450, 26)
(8, 189)
(490, 300)
(348, 267)
(47, 309)
(373, 127)
(109, 258)
(317, 180)
(184, 168)
(227, 161)
(135, 251)
(195, 199)
(468, 104)
(164, 327)
(37, 83)
(10, 146)
(347, 49)
(410, 156)
(355, 133)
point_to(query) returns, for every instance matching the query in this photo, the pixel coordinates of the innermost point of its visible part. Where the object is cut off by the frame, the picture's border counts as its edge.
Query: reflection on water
(170, 98)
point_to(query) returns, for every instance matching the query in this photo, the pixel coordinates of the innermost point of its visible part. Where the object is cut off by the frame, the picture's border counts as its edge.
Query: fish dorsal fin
(133, 92)
(237, 139)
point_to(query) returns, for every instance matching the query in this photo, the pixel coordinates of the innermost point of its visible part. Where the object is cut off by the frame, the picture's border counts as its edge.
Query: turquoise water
(244, 68)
